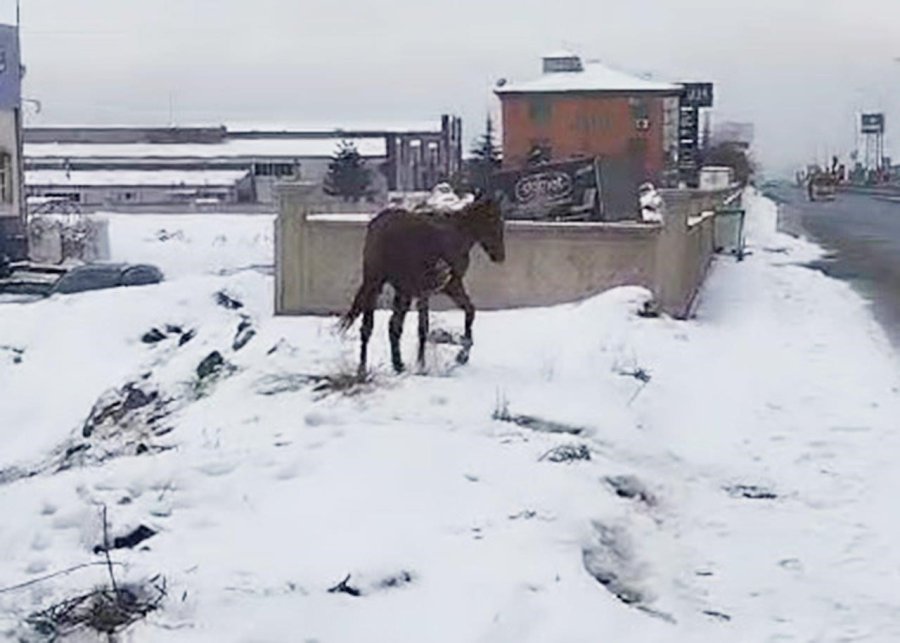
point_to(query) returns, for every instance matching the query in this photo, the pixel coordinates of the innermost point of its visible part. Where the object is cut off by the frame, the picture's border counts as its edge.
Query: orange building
(575, 110)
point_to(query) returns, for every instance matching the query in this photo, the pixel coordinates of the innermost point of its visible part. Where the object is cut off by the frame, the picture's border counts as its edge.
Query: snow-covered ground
(744, 493)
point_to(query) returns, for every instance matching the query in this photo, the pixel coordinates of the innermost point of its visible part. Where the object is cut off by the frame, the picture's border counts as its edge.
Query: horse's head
(484, 221)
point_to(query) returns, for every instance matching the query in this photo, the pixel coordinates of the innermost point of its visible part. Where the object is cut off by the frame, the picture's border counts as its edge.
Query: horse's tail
(356, 309)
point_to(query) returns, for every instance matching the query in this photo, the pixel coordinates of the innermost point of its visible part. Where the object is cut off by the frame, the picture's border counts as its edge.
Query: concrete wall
(319, 256)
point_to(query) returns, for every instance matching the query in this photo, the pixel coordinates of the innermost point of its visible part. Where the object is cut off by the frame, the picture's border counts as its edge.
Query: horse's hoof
(399, 368)
(462, 357)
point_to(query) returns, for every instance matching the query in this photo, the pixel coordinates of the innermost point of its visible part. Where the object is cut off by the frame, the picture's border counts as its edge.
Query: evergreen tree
(731, 155)
(485, 158)
(348, 177)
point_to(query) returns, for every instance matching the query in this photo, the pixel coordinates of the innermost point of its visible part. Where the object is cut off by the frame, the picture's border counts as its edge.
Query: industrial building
(13, 244)
(125, 167)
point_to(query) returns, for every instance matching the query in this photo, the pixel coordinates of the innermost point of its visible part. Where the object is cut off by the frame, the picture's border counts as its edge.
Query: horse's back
(396, 225)
(401, 245)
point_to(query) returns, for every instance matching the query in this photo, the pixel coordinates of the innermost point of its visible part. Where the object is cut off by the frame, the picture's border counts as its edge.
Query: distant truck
(821, 187)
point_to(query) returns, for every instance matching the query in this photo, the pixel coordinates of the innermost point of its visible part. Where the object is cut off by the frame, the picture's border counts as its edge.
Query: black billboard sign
(697, 95)
(873, 123)
(551, 191)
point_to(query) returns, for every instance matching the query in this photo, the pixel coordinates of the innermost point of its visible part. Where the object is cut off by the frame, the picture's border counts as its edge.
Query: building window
(75, 197)
(640, 107)
(540, 109)
(6, 172)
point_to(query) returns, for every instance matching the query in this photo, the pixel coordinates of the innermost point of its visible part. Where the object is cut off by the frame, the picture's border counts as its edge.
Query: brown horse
(420, 254)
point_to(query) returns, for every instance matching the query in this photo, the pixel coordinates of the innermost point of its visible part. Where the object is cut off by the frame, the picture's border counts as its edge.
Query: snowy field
(590, 476)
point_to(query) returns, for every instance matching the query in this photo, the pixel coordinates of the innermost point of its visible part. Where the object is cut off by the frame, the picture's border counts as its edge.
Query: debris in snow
(153, 336)
(282, 345)
(15, 352)
(106, 610)
(649, 309)
(245, 332)
(11, 474)
(639, 374)
(287, 383)
(525, 514)
(114, 405)
(210, 365)
(751, 492)
(609, 561)
(346, 383)
(394, 581)
(719, 616)
(186, 337)
(344, 588)
(227, 301)
(129, 540)
(165, 235)
(567, 453)
(630, 487)
(537, 424)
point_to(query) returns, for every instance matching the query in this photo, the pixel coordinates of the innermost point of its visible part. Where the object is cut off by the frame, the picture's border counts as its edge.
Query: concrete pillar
(291, 274)
(671, 251)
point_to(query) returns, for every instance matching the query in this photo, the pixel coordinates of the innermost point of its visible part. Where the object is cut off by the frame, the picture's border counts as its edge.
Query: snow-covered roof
(313, 126)
(595, 77)
(560, 53)
(234, 148)
(136, 178)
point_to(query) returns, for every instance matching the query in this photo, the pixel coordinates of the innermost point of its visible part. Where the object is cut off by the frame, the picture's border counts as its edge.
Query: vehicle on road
(821, 188)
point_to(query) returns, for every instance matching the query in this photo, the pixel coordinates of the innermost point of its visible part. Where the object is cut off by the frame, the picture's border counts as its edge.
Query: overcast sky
(799, 69)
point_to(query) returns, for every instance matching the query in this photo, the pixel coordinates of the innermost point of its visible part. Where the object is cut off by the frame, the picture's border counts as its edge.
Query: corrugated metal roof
(133, 178)
(286, 148)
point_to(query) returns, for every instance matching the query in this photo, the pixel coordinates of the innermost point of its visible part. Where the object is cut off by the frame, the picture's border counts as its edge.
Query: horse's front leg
(401, 306)
(422, 306)
(365, 333)
(457, 292)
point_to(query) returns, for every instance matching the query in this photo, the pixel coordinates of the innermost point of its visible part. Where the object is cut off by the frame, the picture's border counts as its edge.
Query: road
(863, 234)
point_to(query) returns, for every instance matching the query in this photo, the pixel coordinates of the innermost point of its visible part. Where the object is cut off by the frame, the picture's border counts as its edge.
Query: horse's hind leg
(369, 300)
(457, 292)
(401, 306)
(368, 322)
(422, 306)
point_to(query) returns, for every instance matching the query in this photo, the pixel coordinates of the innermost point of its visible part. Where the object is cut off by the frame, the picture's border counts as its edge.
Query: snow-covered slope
(743, 492)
